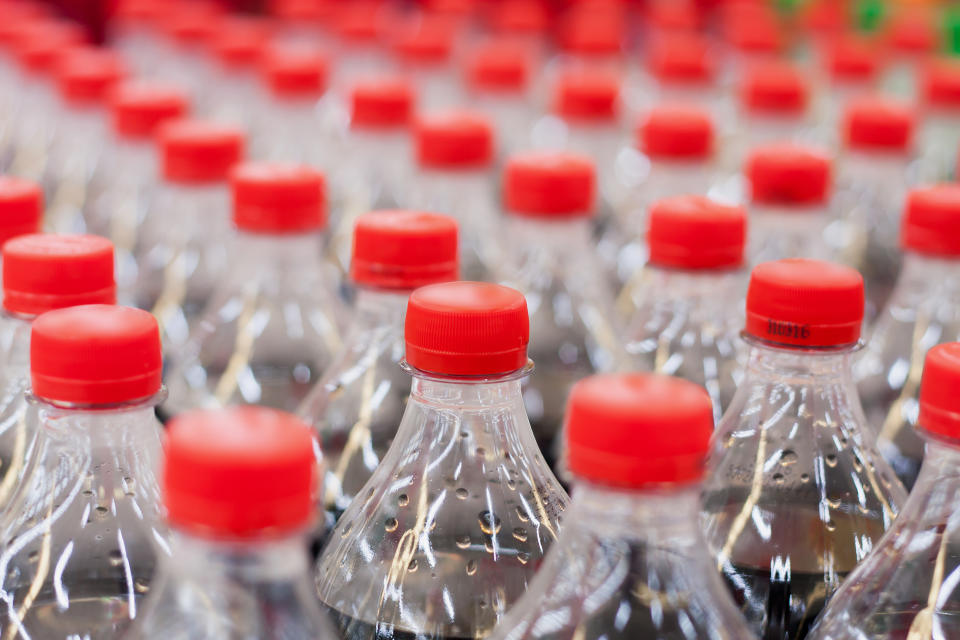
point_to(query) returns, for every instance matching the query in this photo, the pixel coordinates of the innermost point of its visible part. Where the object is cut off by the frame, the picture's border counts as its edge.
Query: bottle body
(16, 434)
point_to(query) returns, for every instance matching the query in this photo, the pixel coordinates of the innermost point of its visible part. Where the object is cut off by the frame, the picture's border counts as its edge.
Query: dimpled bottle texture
(455, 520)
(797, 492)
(630, 562)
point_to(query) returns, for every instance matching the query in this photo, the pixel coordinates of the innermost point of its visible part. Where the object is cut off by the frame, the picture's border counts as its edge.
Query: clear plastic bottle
(681, 68)
(423, 48)
(41, 272)
(184, 57)
(458, 516)
(238, 47)
(272, 323)
(905, 588)
(851, 67)
(361, 29)
(920, 313)
(454, 155)
(683, 323)
(789, 190)
(82, 532)
(797, 492)
(355, 405)
(911, 36)
(182, 254)
(751, 34)
(630, 562)
(238, 485)
(940, 131)
(134, 32)
(548, 255)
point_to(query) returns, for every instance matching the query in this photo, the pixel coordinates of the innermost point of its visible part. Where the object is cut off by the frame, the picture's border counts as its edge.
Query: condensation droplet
(463, 541)
(511, 484)
(403, 500)
(116, 558)
(788, 457)
(833, 503)
(34, 556)
(462, 493)
(87, 492)
(804, 477)
(413, 566)
(520, 534)
(489, 523)
(481, 452)
(830, 459)
(778, 478)
(488, 545)
(522, 514)
(140, 585)
(830, 525)
(523, 557)
(471, 567)
(391, 525)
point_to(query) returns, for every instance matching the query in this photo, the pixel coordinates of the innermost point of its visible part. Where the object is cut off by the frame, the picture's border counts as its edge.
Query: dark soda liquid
(354, 629)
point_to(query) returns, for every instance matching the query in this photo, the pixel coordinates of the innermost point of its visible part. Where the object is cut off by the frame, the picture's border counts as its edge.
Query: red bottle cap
(193, 25)
(638, 430)
(584, 95)
(941, 83)
(196, 151)
(467, 329)
(304, 12)
(805, 303)
(912, 33)
(879, 124)
(549, 184)
(40, 46)
(594, 34)
(403, 249)
(454, 140)
(278, 198)
(787, 174)
(296, 72)
(852, 59)
(499, 66)
(241, 42)
(87, 75)
(95, 354)
(931, 222)
(21, 207)
(694, 232)
(681, 58)
(676, 132)
(520, 17)
(754, 32)
(775, 87)
(361, 22)
(427, 41)
(46, 271)
(939, 400)
(381, 103)
(140, 108)
(239, 473)
(666, 15)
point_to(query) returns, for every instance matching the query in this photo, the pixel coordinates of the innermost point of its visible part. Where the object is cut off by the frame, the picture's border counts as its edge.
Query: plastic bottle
(238, 47)
(939, 98)
(21, 208)
(182, 255)
(423, 48)
(797, 492)
(683, 322)
(548, 255)
(458, 516)
(852, 65)
(238, 485)
(904, 588)
(355, 406)
(681, 68)
(360, 29)
(751, 34)
(82, 531)
(272, 323)
(637, 445)
(789, 190)
(41, 272)
(919, 314)
(911, 36)
(184, 55)
(135, 33)
(454, 155)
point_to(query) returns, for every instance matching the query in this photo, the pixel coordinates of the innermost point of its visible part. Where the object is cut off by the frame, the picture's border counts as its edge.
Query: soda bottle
(355, 405)
(80, 530)
(682, 69)
(683, 322)
(797, 492)
(940, 134)
(911, 37)
(422, 47)
(238, 47)
(637, 443)
(41, 272)
(238, 486)
(452, 525)
(903, 589)
(851, 68)
(272, 325)
(182, 255)
(920, 314)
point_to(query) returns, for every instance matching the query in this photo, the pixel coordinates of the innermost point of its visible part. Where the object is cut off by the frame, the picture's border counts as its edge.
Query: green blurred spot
(951, 30)
(869, 14)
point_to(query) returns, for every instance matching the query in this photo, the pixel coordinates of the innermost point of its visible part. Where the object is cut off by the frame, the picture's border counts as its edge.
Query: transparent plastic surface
(907, 587)
(271, 328)
(627, 566)
(788, 232)
(211, 590)
(451, 527)
(36, 119)
(236, 97)
(939, 139)
(922, 312)
(573, 329)
(356, 405)
(182, 255)
(297, 130)
(512, 115)
(796, 492)
(16, 435)
(753, 130)
(72, 162)
(81, 534)
(687, 324)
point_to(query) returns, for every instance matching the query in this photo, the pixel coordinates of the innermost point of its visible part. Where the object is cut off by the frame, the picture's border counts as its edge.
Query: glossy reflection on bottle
(906, 587)
(81, 532)
(922, 312)
(452, 525)
(238, 486)
(631, 562)
(797, 492)
(356, 405)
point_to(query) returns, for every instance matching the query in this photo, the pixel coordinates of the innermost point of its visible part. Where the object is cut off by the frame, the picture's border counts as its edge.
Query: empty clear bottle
(681, 68)
(789, 188)
(458, 516)
(851, 66)
(82, 531)
(939, 95)
(238, 48)
(238, 486)
(630, 562)
(904, 589)
(797, 492)
(423, 48)
(272, 324)
(685, 321)
(921, 313)
(182, 254)
(355, 406)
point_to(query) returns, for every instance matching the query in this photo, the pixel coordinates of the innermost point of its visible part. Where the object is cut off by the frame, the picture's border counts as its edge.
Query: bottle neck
(379, 307)
(293, 251)
(101, 427)
(667, 516)
(667, 286)
(453, 393)
(799, 366)
(260, 562)
(551, 233)
(922, 272)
